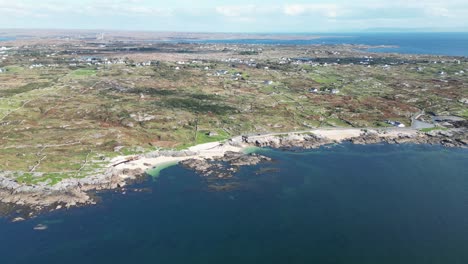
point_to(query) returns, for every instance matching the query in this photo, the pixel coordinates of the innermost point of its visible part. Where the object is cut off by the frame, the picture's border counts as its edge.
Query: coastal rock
(306, 141)
(17, 219)
(198, 165)
(241, 159)
(225, 166)
(40, 227)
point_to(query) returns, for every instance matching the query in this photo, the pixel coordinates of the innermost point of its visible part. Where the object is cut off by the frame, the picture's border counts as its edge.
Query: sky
(237, 16)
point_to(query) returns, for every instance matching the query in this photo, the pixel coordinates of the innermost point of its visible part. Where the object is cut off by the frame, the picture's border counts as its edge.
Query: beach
(124, 170)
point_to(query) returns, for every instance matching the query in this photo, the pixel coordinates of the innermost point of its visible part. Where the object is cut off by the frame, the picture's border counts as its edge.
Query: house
(268, 82)
(237, 74)
(313, 90)
(2, 70)
(395, 123)
(334, 91)
(221, 72)
(212, 134)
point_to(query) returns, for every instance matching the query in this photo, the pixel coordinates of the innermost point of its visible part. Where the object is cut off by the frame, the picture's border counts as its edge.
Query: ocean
(5, 39)
(451, 44)
(362, 204)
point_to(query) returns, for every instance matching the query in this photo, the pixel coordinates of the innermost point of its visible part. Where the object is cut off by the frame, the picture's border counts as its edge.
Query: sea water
(451, 44)
(337, 204)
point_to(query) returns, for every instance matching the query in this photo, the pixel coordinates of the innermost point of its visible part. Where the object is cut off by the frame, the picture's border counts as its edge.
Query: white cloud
(437, 12)
(273, 15)
(246, 10)
(326, 10)
(103, 7)
(235, 11)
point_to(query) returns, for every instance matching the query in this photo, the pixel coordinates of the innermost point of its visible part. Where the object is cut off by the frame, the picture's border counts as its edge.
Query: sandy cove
(240, 143)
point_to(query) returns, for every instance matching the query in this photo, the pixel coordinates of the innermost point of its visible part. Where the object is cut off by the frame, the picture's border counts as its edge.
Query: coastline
(124, 170)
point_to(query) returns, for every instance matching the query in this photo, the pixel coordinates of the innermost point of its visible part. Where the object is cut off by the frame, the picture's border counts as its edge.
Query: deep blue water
(452, 44)
(344, 204)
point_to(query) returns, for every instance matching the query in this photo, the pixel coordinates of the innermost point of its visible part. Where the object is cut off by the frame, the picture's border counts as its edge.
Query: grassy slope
(68, 120)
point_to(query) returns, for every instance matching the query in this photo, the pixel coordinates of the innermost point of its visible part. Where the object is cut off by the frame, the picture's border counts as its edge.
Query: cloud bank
(243, 16)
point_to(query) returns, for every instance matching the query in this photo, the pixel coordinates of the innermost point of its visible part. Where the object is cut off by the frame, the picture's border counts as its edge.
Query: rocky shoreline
(450, 138)
(216, 160)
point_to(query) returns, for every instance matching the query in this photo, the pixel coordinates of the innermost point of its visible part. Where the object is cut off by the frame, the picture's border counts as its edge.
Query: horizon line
(248, 32)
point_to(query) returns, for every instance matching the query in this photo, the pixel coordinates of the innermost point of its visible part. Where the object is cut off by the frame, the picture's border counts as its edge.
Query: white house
(395, 123)
(313, 90)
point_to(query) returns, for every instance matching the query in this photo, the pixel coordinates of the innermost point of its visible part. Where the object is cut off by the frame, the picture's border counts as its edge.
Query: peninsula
(85, 111)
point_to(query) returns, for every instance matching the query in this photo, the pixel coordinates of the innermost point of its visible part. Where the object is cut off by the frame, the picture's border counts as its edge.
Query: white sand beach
(218, 149)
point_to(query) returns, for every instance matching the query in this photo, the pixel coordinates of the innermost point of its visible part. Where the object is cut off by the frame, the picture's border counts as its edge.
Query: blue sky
(236, 16)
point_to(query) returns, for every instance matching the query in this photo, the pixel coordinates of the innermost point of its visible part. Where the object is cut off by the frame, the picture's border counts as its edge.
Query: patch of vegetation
(429, 129)
(14, 69)
(248, 52)
(204, 137)
(199, 106)
(25, 88)
(50, 178)
(84, 72)
(464, 113)
(153, 91)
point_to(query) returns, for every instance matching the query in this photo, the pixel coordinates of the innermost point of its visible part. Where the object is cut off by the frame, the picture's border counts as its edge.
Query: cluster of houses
(366, 60)
(3, 52)
(249, 62)
(192, 62)
(304, 61)
(37, 65)
(234, 76)
(326, 91)
(96, 61)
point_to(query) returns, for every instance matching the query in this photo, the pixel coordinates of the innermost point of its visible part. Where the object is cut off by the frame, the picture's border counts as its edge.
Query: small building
(212, 134)
(334, 91)
(313, 90)
(2, 70)
(268, 82)
(221, 72)
(395, 123)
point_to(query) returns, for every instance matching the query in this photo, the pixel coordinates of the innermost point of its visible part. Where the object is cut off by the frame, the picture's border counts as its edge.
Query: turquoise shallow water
(342, 204)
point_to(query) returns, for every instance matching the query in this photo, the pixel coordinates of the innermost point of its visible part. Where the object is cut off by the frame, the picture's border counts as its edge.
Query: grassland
(63, 121)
